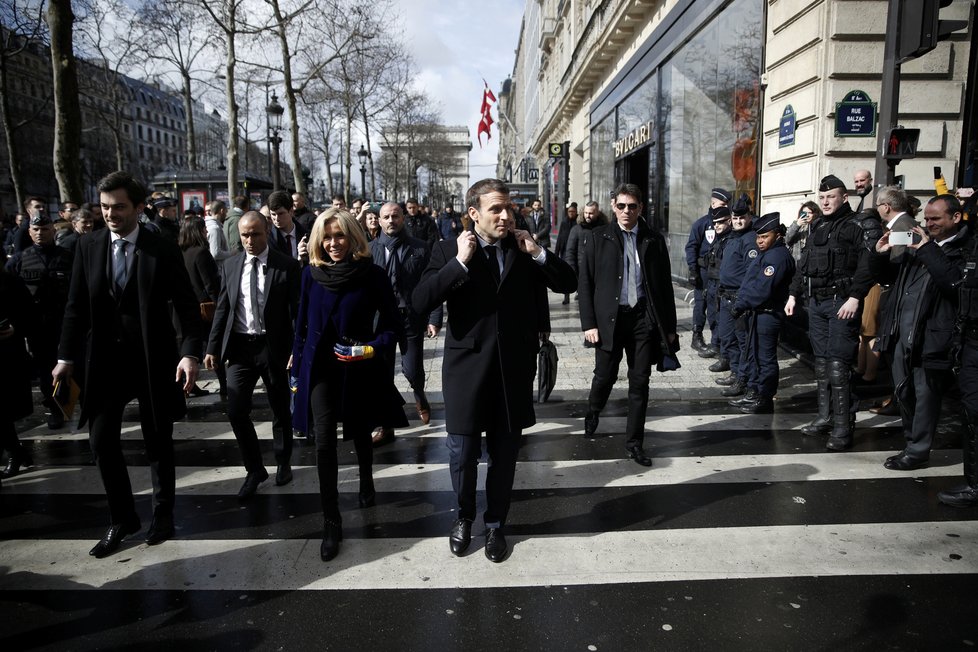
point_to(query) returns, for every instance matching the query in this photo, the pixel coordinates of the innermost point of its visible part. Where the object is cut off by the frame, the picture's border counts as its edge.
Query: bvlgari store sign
(639, 137)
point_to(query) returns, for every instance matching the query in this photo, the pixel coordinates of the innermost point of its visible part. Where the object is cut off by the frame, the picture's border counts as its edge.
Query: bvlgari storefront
(683, 115)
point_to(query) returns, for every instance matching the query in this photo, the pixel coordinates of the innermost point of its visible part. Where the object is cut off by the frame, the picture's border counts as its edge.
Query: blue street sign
(786, 130)
(855, 115)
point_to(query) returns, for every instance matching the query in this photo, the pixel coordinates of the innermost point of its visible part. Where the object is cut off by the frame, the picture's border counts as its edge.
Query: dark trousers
(248, 360)
(729, 340)
(633, 336)
(712, 310)
(464, 451)
(968, 373)
(411, 346)
(919, 391)
(833, 338)
(105, 434)
(762, 353)
(325, 415)
(9, 441)
(699, 303)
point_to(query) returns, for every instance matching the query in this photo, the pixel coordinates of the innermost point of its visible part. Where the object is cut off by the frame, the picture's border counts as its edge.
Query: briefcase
(546, 370)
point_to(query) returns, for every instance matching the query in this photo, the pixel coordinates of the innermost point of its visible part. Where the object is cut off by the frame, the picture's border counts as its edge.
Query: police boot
(763, 405)
(726, 381)
(747, 398)
(823, 422)
(966, 495)
(709, 351)
(738, 387)
(697, 344)
(720, 365)
(843, 421)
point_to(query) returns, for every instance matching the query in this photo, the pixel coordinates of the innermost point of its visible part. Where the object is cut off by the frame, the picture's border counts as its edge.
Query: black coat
(16, 306)
(89, 326)
(601, 274)
(574, 252)
(415, 255)
(276, 240)
(934, 310)
(204, 277)
(493, 332)
(281, 305)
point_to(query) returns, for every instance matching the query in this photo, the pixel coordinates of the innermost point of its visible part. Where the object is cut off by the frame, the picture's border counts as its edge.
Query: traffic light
(921, 27)
(902, 143)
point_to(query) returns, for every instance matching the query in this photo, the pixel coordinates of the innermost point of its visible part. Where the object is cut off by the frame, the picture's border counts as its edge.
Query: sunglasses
(631, 207)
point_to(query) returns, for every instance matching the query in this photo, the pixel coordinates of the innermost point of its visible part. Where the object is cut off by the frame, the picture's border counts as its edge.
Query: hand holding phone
(901, 237)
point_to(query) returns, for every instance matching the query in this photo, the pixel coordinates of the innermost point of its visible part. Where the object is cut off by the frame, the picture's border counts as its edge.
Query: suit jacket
(278, 315)
(89, 326)
(493, 332)
(276, 240)
(601, 274)
(415, 256)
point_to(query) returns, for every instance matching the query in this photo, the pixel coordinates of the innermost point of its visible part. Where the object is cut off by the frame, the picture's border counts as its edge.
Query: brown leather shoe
(887, 408)
(424, 412)
(382, 436)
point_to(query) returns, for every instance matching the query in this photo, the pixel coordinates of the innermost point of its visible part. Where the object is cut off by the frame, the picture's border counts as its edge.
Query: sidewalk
(693, 382)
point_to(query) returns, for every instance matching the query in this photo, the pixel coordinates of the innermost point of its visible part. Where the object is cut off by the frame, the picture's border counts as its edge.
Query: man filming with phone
(894, 209)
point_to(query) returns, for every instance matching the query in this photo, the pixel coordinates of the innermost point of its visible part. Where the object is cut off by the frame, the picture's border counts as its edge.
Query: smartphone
(964, 193)
(901, 237)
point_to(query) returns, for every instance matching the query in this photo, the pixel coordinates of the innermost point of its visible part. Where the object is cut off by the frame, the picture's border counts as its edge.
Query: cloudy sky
(457, 43)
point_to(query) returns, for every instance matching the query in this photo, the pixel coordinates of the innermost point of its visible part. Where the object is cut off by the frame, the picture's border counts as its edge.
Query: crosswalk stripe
(557, 474)
(404, 563)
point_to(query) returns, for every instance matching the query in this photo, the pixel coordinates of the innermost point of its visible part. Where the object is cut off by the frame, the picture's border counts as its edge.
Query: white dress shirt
(244, 318)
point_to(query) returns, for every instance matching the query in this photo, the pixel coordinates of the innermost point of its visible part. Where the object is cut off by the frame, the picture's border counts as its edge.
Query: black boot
(726, 381)
(709, 351)
(747, 398)
(697, 344)
(720, 365)
(332, 535)
(15, 462)
(763, 405)
(843, 420)
(966, 495)
(823, 422)
(738, 387)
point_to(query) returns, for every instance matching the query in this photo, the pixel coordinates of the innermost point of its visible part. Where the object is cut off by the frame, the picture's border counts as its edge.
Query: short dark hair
(64, 205)
(33, 198)
(121, 180)
(339, 196)
(242, 202)
(951, 203)
(629, 189)
(280, 199)
(411, 200)
(474, 194)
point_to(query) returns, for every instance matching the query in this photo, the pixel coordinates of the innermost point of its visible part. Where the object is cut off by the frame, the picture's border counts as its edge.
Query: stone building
(679, 96)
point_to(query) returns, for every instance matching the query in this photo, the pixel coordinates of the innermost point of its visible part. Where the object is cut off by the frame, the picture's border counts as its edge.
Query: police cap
(831, 182)
(163, 202)
(721, 194)
(720, 214)
(742, 206)
(768, 222)
(41, 219)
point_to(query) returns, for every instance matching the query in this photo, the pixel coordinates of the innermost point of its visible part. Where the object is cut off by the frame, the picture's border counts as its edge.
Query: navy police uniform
(701, 238)
(738, 254)
(761, 300)
(711, 263)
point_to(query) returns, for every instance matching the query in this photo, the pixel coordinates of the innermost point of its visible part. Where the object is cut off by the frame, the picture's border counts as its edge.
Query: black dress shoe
(725, 381)
(283, 475)
(332, 535)
(903, 462)
(760, 406)
(838, 444)
(113, 537)
(496, 547)
(250, 486)
(461, 537)
(720, 365)
(709, 351)
(637, 453)
(14, 465)
(746, 399)
(590, 424)
(961, 496)
(160, 529)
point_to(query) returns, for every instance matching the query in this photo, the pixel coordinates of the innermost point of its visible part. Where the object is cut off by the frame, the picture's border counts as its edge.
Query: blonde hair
(350, 228)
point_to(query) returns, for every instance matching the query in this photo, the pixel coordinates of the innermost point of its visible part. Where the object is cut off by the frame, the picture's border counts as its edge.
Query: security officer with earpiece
(834, 275)
(761, 301)
(738, 253)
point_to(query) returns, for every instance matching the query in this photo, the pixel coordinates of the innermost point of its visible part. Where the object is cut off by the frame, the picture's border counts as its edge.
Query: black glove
(737, 312)
(694, 278)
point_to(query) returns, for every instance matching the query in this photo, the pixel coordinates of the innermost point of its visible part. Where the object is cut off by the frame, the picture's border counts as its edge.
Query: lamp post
(274, 112)
(362, 154)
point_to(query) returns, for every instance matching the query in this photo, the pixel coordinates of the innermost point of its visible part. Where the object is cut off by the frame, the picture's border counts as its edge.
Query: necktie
(394, 266)
(255, 292)
(631, 294)
(119, 272)
(491, 253)
(288, 241)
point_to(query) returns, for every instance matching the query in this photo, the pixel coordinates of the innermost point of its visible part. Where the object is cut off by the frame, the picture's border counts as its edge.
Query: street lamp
(274, 112)
(362, 154)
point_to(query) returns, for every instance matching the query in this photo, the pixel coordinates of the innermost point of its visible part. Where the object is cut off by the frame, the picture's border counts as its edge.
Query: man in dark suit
(287, 236)
(252, 333)
(494, 279)
(539, 223)
(626, 305)
(124, 281)
(405, 259)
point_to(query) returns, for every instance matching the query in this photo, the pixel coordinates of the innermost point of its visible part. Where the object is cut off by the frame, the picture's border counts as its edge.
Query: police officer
(711, 263)
(165, 222)
(701, 237)
(762, 297)
(46, 269)
(835, 277)
(738, 254)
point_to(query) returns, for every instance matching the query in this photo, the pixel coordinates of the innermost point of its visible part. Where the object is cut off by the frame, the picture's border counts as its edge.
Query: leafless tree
(67, 112)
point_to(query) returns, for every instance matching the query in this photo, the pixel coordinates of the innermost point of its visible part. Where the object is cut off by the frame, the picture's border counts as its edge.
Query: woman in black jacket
(205, 279)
